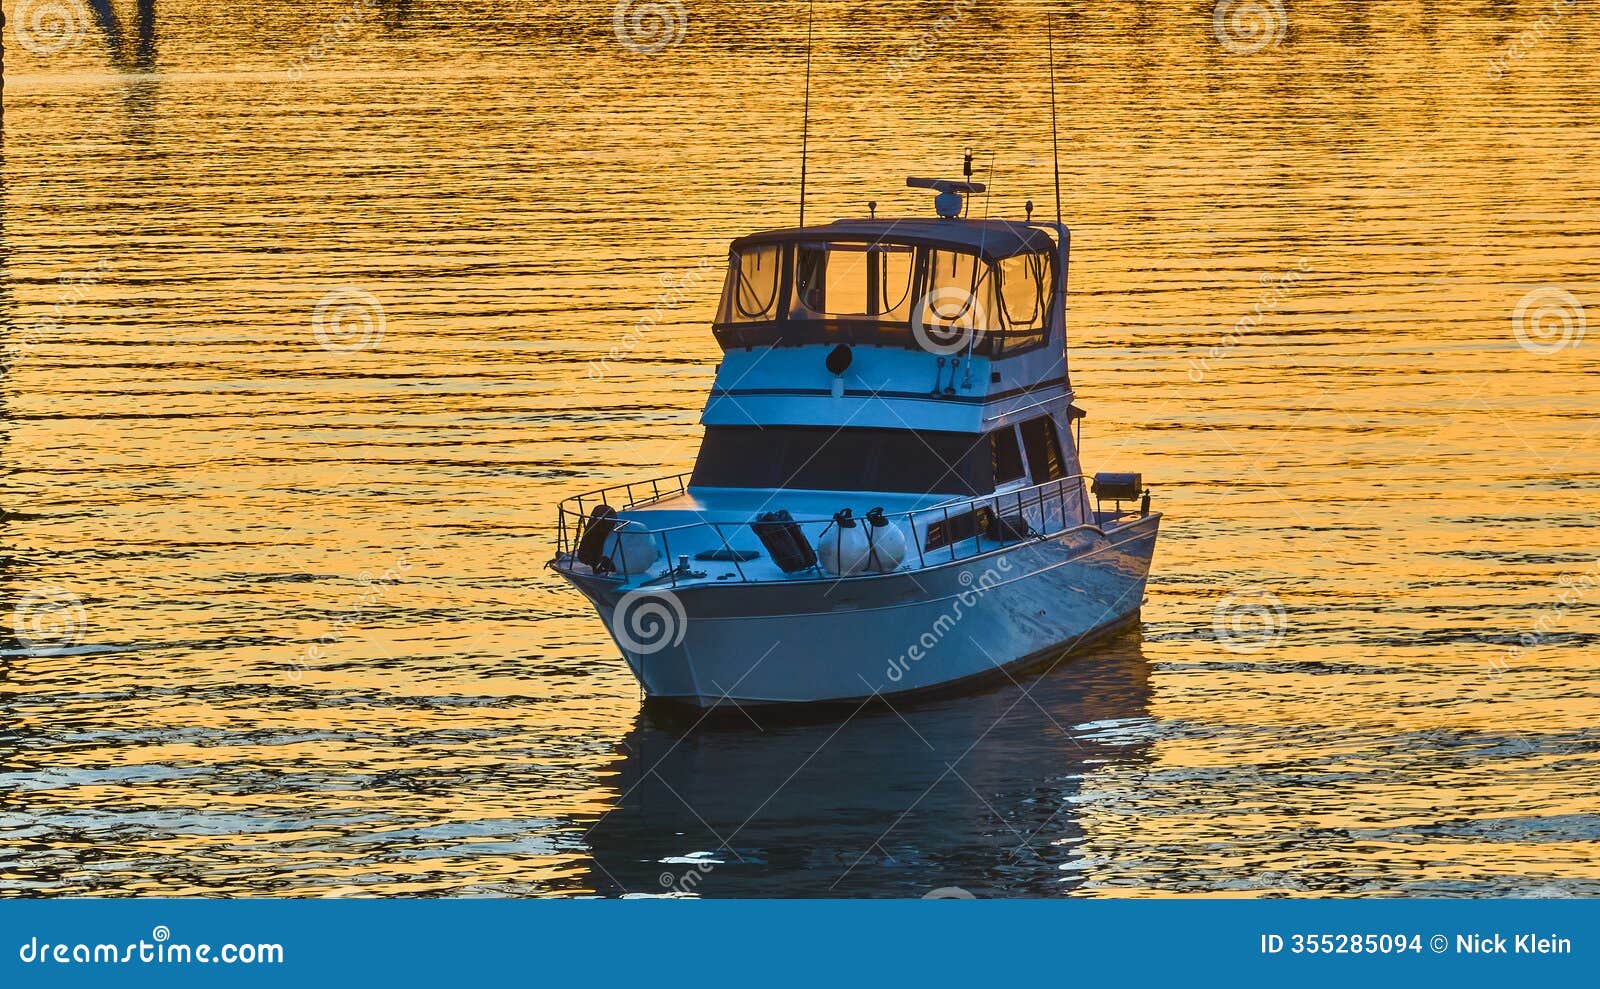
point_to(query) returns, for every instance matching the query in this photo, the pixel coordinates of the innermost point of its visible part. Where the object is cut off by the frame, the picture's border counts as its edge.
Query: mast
(805, 126)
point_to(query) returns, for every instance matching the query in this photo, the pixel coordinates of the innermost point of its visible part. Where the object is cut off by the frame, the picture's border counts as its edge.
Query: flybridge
(947, 286)
(940, 323)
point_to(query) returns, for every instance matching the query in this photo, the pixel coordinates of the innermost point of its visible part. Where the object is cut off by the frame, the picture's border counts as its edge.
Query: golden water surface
(313, 311)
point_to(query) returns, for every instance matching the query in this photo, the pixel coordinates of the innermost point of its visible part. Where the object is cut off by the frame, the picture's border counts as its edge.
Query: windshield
(938, 298)
(751, 294)
(859, 281)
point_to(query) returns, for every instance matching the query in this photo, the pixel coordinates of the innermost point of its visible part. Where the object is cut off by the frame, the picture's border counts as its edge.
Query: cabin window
(810, 281)
(853, 281)
(1023, 289)
(1005, 455)
(958, 528)
(1044, 450)
(957, 299)
(892, 267)
(955, 271)
(1025, 296)
(751, 295)
(886, 294)
(826, 458)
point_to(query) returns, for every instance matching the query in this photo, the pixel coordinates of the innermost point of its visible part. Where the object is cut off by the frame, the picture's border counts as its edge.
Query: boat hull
(830, 642)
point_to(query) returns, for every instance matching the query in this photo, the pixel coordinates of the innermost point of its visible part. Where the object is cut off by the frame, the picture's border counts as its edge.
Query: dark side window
(1044, 449)
(826, 458)
(1005, 455)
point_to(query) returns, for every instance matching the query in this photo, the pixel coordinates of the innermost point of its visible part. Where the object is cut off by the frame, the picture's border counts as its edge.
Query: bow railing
(939, 534)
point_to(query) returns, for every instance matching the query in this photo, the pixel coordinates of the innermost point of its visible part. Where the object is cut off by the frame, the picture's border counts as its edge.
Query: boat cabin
(915, 355)
(947, 286)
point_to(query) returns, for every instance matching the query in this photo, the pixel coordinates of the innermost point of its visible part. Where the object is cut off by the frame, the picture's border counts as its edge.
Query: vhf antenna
(1055, 146)
(805, 127)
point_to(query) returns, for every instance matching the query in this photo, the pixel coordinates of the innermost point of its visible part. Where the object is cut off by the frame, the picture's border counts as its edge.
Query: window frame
(794, 324)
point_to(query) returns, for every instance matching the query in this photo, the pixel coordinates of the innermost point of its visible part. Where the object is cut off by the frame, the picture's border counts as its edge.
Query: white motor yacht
(888, 499)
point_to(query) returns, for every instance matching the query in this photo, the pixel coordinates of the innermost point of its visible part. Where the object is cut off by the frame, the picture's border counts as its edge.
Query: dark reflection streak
(1501, 16)
(396, 12)
(11, 342)
(106, 16)
(144, 58)
(138, 64)
(889, 804)
(12, 339)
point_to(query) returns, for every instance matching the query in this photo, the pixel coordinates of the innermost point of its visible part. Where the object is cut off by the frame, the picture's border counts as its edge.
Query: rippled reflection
(982, 794)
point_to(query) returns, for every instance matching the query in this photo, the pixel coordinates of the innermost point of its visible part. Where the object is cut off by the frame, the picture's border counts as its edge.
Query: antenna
(989, 180)
(805, 127)
(1055, 146)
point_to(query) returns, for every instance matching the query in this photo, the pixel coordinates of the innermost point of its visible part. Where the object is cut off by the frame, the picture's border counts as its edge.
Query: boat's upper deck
(952, 287)
(949, 324)
(992, 239)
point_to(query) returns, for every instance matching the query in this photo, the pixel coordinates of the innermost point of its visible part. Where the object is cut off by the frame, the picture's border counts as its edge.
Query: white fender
(842, 549)
(886, 543)
(633, 549)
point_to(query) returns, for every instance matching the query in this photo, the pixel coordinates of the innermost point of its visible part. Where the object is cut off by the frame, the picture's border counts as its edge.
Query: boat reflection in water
(976, 794)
